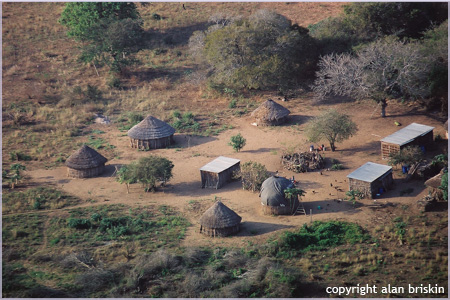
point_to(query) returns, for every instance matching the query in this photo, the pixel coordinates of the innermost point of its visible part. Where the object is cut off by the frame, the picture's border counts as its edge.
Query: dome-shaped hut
(273, 199)
(219, 220)
(85, 163)
(151, 133)
(270, 113)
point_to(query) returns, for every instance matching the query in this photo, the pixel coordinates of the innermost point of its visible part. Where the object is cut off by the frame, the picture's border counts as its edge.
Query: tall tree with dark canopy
(110, 32)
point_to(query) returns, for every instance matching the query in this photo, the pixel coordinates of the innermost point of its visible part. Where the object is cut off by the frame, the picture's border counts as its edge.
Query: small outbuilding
(371, 179)
(151, 133)
(273, 199)
(270, 113)
(219, 220)
(413, 134)
(219, 171)
(85, 163)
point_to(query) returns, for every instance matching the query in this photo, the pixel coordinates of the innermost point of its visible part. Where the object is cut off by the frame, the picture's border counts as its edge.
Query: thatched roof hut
(272, 196)
(270, 113)
(219, 220)
(85, 163)
(151, 133)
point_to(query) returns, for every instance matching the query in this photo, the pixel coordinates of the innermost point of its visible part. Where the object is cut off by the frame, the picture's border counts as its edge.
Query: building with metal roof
(413, 134)
(371, 179)
(219, 171)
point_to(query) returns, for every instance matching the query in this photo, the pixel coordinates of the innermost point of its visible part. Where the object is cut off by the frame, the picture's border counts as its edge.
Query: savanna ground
(44, 255)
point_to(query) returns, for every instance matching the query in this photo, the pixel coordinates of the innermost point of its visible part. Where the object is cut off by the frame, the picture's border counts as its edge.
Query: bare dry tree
(385, 68)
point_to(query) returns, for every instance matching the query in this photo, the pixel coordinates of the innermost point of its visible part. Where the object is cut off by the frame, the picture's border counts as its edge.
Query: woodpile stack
(302, 162)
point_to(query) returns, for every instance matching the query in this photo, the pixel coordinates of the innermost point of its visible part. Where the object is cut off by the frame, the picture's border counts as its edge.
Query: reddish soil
(264, 145)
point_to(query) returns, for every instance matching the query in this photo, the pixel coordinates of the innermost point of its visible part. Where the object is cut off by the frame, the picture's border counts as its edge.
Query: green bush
(237, 142)
(262, 51)
(79, 223)
(407, 156)
(252, 175)
(323, 235)
(336, 167)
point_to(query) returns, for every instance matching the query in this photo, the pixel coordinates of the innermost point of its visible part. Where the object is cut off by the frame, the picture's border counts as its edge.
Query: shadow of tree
(331, 206)
(258, 228)
(189, 140)
(174, 36)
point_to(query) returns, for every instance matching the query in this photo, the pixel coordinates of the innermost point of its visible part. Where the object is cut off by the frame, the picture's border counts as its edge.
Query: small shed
(85, 163)
(219, 171)
(151, 133)
(370, 178)
(273, 199)
(270, 113)
(413, 134)
(219, 220)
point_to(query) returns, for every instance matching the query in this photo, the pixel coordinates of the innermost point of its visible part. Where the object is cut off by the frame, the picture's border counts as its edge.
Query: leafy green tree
(292, 194)
(361, 23)
(80, 17)
(13, 175)
(110, 32)
(148, 171)
(407, 156)
(331, 126)
(262, 51)
(237, 142)
(152, 169)
(127, 175)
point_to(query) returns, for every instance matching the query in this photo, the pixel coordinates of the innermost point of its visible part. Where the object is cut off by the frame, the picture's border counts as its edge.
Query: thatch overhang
(85, 158)
(270, 112)
(219, 216)
(151, 128)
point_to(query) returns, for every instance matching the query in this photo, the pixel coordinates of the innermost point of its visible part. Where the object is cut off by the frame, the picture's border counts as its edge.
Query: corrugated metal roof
(369, 172)
(219, 164)
(407, 134)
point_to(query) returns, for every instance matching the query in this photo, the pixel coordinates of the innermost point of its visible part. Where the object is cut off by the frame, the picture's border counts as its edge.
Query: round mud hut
(151, 133)
(219, 220)
(273, 199)
(270, 113)
(85, 163)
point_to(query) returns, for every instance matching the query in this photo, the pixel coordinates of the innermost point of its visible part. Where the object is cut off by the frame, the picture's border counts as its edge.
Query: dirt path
(264, 145)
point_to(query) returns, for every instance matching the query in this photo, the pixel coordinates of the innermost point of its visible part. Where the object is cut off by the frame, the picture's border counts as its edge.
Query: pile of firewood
(302, 162)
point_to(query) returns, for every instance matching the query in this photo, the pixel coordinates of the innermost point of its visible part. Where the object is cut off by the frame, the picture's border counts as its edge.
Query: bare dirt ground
(264, 145)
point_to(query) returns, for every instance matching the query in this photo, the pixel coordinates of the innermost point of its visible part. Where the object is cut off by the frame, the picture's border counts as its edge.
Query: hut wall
(385, 182)
(426, 141)
(220, 231)
(370, 189)
(217, 180)
(279, 210)
(209, 179)
(362, 186)
(387, 149)
(151, 144)
(264, 122)
(86, 173)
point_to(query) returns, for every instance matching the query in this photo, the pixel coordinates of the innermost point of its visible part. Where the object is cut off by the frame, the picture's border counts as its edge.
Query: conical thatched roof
(434, 182)
(219, 216)
(85, 158)
(270, 111)
(151, 128)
